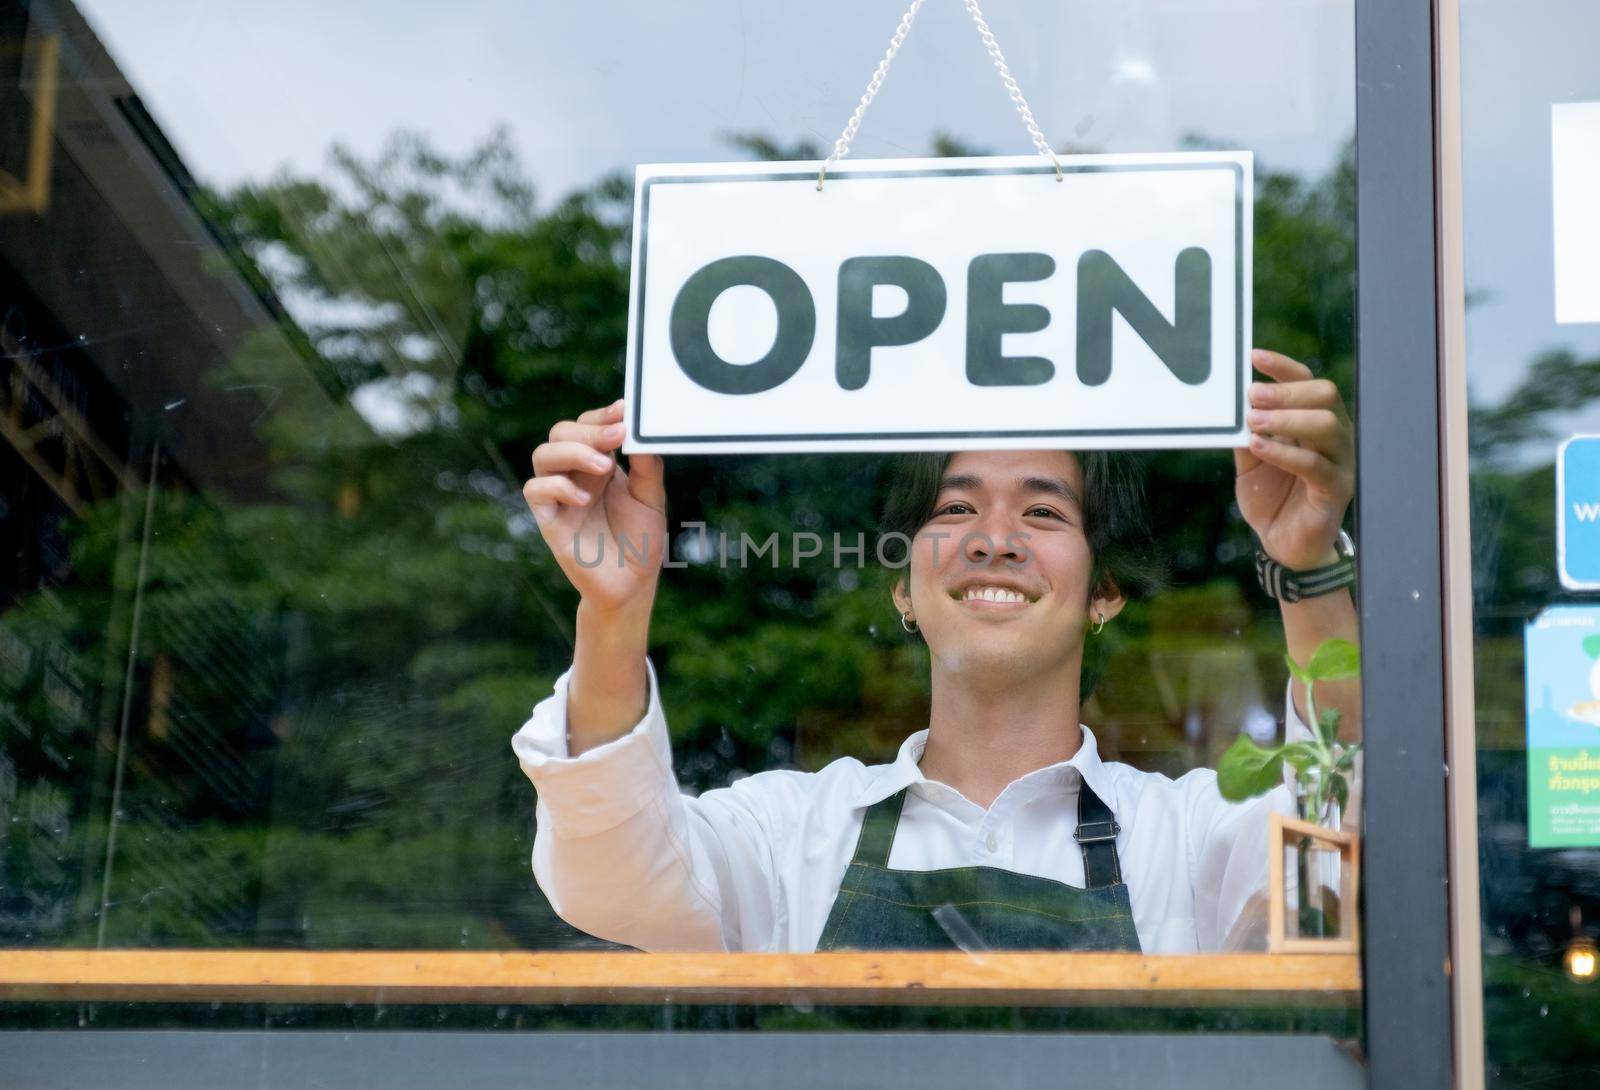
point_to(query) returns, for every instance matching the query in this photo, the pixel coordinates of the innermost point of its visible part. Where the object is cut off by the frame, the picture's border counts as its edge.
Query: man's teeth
(993, 594)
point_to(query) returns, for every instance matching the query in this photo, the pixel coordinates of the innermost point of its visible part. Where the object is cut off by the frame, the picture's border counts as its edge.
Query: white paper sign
(1575, 173)
(941, 304)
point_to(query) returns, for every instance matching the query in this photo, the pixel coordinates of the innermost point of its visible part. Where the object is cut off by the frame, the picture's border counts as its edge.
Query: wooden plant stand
(1284, 833)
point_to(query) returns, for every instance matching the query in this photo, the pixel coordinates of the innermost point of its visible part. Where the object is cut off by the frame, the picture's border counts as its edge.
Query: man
(998, 826)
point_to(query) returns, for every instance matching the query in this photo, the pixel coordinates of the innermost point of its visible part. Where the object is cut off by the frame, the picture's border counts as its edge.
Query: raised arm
(607, 528)
(1294, 484)
(619, 850)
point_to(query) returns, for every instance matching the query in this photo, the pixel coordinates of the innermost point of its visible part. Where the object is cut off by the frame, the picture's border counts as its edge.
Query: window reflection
(277, 602)
(1533, 378)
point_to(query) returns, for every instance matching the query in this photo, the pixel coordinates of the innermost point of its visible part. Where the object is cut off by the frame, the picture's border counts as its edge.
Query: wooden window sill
(429, 976)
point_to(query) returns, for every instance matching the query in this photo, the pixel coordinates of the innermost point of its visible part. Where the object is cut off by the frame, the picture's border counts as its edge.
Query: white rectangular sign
(1575, 193)
(941, 304)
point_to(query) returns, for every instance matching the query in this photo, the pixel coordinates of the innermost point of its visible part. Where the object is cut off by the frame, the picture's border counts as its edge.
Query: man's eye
(1047, 511)
(949, 508)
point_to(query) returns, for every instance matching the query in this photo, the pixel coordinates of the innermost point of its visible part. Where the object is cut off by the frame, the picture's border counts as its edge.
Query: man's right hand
(588, 508)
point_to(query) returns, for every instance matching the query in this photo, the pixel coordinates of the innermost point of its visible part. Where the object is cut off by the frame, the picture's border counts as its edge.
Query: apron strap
(877, 830)
(1097, 836)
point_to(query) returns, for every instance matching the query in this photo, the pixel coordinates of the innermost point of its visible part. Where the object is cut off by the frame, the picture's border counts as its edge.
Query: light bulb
(1582, 960)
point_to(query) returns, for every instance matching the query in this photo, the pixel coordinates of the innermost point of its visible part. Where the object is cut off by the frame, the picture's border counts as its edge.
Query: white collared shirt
(624, 855)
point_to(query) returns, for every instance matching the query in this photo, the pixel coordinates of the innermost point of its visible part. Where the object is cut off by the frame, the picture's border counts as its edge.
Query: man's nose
(993, 540)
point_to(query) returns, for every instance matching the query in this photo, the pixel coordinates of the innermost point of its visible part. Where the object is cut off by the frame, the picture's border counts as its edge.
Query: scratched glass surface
(290, 291)
(1532, 378)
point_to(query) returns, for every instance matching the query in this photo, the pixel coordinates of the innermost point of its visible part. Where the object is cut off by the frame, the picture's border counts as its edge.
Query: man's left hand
(1295, 480)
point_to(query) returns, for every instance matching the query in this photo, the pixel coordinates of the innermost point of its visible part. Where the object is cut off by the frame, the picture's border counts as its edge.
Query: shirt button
(991, 843)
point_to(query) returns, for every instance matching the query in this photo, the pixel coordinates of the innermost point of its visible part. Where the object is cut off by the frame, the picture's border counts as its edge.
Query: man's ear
(901, 594)
(1107, 599)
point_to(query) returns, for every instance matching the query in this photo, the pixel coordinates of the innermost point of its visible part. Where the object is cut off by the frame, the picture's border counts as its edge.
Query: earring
(907, 623)
(1099, 625)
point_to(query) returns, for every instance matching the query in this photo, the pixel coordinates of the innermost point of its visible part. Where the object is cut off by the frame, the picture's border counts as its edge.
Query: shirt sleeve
(624, 855)
(1228, 859)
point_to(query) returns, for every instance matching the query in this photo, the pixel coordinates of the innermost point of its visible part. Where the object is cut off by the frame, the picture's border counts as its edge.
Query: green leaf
(1591, 646)
(1334, 660)
(1295, 672)
(1341, 791)
(1246, 770)
(1301, 756)
(1330, 725)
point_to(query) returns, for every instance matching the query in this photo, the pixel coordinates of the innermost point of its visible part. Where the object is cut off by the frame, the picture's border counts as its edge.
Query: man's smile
(990, 597)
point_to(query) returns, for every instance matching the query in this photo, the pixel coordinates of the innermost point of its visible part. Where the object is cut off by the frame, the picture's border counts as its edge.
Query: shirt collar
(885, 780)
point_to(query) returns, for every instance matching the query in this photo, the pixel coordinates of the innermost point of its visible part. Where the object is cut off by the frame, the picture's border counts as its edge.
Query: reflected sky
(244, 89)
(1518, 59)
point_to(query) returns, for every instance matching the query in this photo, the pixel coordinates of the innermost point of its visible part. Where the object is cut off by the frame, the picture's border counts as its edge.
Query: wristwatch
(1288, 585)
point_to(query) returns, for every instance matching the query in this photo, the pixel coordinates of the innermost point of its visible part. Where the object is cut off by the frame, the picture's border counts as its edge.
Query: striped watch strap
(1288, 585)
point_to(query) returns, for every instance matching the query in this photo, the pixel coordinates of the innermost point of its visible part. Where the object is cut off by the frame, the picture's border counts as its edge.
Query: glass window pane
(294, 293)
(1529, 142)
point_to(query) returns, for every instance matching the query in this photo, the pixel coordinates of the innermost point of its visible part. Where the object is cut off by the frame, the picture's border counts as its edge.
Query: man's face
(1000, 572)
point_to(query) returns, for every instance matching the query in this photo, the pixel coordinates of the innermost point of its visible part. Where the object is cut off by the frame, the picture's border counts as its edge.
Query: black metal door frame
(1406, 934)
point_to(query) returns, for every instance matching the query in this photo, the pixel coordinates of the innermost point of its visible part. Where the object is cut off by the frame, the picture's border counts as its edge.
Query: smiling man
(996, 827)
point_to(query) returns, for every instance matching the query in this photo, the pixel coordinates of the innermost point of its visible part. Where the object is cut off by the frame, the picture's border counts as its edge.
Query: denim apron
(980, 908)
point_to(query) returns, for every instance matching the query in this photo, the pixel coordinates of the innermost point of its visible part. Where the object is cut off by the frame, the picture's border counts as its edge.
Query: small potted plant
(1324, 767)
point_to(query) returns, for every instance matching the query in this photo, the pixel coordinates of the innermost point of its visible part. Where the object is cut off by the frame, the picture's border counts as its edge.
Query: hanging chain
(841, 146)
(1012, 89)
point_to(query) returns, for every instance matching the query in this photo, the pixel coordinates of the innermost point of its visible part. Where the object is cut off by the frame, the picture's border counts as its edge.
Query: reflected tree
(335, 654)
